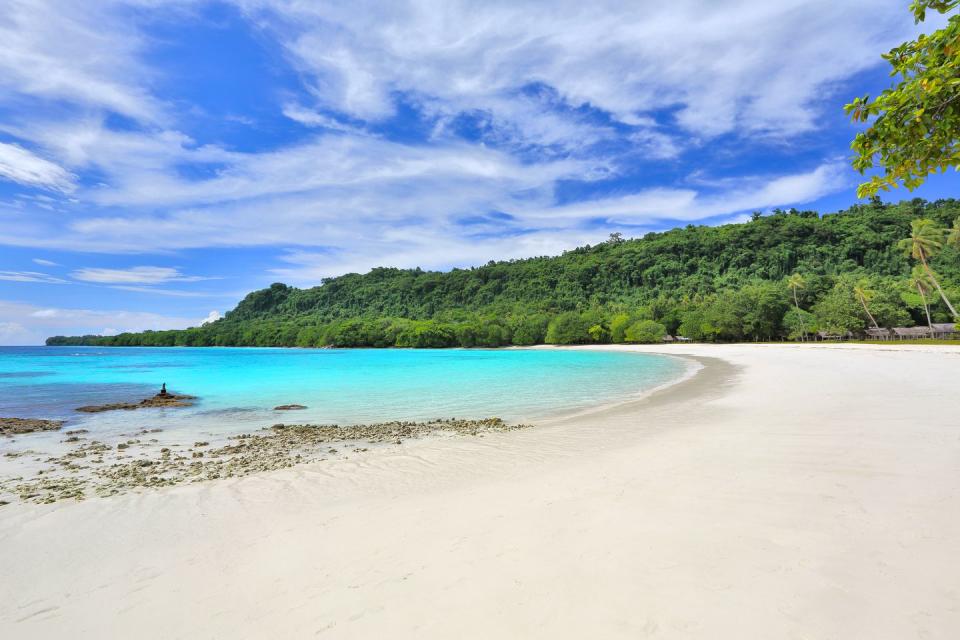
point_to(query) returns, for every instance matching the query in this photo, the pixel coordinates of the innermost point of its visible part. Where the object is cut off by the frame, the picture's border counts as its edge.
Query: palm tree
(919, 279)
(796, 281)
(954, 237)
(926, 239)
(864, 295)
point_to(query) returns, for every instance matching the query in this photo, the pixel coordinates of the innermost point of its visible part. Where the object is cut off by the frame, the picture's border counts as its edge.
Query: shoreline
(694, 366)
(92, 465)
(816, 483)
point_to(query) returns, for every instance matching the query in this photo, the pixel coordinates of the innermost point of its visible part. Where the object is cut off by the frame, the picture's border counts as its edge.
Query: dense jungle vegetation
(780, 276)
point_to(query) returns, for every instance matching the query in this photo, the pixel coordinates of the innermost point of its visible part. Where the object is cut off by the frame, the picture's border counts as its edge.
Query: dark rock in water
(289, 407)
(163, 399)
(16, 426)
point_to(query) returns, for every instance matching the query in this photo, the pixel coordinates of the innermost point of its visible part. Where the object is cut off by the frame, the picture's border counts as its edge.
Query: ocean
(237, 388)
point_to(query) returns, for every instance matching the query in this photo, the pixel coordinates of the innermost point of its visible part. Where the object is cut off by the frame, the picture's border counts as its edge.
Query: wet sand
(782, 492)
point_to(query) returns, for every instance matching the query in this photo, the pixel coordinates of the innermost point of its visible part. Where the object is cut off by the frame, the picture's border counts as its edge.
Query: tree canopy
(784, 275)
(913, 126)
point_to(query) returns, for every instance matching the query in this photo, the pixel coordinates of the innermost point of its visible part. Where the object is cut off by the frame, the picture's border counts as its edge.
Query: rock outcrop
(17, 426)
(162, 399)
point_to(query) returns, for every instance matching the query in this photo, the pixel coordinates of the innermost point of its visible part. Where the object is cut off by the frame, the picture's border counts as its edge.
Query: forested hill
(709, 283)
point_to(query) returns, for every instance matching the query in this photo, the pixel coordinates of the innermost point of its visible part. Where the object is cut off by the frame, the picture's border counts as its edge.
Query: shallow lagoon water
(238, 387)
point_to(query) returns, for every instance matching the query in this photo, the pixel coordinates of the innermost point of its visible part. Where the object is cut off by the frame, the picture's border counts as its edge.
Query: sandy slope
(784, 492)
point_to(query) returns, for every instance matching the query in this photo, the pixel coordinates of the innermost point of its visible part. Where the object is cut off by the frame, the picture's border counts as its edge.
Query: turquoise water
(238, 387)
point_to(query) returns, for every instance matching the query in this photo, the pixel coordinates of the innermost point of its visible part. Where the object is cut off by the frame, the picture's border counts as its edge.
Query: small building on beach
(944, 330)
(912, 333)
(940, 331)
(827, 335)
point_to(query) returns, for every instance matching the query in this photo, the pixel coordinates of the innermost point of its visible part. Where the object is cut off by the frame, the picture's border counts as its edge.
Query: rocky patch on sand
(289, 407)
(95, 468)
(17, 426)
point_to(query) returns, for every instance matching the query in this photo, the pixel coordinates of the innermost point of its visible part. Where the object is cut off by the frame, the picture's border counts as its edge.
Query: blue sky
(159, 160)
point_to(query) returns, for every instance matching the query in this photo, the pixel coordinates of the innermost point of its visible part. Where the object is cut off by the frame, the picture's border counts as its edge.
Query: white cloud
(738, 64)
(14, 333)
(133, 275)
(746, 193)
(549, 230)
(532, 75)
(311, 118)
(84, 53)
(415, 219)
(30, 324)
(21, 166)
(45, 263)
(30, 276)
(213, 316)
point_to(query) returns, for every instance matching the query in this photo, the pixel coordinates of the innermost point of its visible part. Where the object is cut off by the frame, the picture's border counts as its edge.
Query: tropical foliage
(915, 125)
(780, 276)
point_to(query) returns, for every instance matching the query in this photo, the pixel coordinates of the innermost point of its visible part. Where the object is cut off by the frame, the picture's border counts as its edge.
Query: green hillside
(721, 283)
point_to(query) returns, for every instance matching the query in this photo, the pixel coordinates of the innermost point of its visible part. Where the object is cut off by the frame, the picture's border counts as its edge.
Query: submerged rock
(289, 407)
(17, 426)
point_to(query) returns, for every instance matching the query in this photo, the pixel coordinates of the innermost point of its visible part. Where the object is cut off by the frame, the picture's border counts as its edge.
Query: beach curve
(728, 505)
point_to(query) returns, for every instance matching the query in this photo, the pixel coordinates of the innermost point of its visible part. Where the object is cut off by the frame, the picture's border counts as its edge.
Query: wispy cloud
(557, 95)
(133, 275)
(749, 193)
(83, 53)
(548, 230)
(30, 276)
(45, 263)
(311, 118)
(21, 166)
(624, 59)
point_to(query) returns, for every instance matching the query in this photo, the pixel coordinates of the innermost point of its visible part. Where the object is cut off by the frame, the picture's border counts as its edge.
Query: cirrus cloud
(20, 165)
(133, 275)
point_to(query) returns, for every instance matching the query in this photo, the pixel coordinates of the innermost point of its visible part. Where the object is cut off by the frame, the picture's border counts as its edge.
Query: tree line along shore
(782, 276)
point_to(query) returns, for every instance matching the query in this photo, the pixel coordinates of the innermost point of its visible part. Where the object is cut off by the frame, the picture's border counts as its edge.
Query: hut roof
(911, 331)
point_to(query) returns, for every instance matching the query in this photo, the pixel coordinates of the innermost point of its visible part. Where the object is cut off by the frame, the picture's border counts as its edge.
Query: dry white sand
(784, 492)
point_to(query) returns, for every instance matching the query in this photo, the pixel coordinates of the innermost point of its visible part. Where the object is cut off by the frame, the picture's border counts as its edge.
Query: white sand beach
(808, 491)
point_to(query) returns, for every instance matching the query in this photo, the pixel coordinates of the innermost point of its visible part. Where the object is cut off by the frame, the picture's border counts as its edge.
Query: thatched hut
(826, 335)
(944, 330)
(879, 334)
(912, 333)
